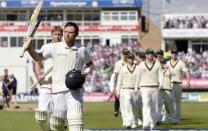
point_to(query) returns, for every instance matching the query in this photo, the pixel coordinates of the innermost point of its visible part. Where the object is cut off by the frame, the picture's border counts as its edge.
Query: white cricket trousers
(127, 110)
(177, 93)
(45, 100)
(70, 104)
(150, 106)
(166, 99)
(137, 106)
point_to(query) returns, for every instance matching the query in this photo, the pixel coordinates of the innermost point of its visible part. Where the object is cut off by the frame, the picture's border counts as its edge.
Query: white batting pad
(42, 118)
(74, 116)
(57, 123)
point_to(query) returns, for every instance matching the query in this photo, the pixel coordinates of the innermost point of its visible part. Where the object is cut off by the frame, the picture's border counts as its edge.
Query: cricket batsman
(67, 95)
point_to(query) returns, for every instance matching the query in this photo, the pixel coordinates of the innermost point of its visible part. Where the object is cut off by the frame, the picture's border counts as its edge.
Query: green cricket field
(99, 115)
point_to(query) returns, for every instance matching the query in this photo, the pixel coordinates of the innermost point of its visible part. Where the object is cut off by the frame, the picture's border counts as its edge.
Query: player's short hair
(174, 51)
(74, 25)
(57, 28)
(160, 52)
(149, 51)
(142, 55)
(130, 56)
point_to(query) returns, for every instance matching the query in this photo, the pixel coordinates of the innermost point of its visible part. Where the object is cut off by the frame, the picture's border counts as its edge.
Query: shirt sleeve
(119, 83)
(184, 68)
(111, 83)
(116, 68)
(48, 51)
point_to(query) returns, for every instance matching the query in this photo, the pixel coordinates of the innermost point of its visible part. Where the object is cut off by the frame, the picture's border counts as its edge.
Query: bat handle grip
(34, 84)
(25, 46)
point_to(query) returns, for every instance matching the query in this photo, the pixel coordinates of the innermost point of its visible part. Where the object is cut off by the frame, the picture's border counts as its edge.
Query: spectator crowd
(186, 22)
(197, 63)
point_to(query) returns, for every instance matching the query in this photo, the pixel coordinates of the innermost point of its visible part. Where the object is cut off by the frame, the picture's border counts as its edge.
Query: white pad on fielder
(57, 123)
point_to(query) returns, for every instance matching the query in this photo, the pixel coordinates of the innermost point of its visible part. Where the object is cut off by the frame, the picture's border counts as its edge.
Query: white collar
(74, 47)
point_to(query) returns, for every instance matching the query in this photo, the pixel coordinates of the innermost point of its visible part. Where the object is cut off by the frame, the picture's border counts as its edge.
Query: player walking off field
(149, 78)
(165, 92)
(179, 68)
(159, 55)
(42, 113)
(67, 99)
(161, 108)
(126, 91)
(119, 64)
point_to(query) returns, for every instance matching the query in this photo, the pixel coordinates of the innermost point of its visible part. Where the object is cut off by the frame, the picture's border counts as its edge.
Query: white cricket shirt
(65, 59)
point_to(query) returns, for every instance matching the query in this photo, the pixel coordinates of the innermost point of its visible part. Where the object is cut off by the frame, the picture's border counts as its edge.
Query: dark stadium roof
(71, 3)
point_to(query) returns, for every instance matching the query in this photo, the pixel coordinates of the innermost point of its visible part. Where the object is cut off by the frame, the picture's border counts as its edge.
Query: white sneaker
(133, 126)
(152, 127)
(139, 122)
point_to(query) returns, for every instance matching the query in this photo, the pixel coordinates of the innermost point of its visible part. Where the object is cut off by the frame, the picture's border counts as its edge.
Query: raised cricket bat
(33, 25)
(44, 75)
